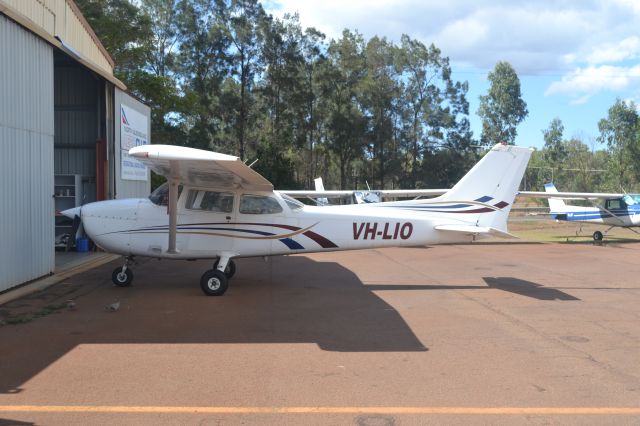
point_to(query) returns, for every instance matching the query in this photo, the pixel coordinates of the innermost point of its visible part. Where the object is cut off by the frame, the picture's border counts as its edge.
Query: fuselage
(244, 224)
(614, 212)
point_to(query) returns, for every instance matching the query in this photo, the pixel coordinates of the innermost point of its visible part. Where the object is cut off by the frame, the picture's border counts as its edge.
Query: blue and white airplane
(615, 210)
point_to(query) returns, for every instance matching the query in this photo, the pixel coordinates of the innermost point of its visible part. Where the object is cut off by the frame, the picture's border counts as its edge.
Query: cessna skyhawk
(213, 206)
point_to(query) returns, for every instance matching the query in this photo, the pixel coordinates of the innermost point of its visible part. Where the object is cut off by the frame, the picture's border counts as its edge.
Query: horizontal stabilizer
(475, 230)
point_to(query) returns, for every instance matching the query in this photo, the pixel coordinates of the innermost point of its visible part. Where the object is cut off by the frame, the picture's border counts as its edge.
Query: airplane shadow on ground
(285, 300)
(508, 284)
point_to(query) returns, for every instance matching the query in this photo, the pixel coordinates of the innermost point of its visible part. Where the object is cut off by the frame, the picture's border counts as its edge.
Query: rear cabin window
(258, 204)
(210, 201)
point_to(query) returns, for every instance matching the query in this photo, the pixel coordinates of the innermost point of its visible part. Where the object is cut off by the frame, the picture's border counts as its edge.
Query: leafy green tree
(203, 67)
(123, 29)
(282, 80)
(620, 131)
(379, 94)
(313, 53)
(345, 122)
(554, 149)
(436, 108)
(244, 19)
(502, 108)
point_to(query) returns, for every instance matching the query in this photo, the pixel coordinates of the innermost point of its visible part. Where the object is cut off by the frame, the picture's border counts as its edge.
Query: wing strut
(174, 181)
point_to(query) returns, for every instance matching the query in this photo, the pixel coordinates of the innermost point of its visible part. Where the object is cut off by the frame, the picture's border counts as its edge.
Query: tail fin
(555, 204)
(491, 186)
(320, 187)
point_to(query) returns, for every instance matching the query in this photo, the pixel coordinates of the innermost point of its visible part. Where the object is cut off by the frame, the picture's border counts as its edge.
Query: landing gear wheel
(214, 283)
(122, 279)
(229, 271)
(597, 236)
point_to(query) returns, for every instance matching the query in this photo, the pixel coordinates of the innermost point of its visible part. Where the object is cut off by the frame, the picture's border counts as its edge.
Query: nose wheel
(123, 275)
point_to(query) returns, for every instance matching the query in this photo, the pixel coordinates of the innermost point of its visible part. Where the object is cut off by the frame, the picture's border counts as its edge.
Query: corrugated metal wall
(26, 156)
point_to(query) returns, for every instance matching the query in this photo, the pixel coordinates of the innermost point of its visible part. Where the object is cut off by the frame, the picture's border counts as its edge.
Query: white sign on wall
(133, 132)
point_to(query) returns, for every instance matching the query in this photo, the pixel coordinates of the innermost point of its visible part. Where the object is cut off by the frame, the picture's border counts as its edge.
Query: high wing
(316, 194)
(400, 193)
(406, 193)
(199, 168)
(571, 195)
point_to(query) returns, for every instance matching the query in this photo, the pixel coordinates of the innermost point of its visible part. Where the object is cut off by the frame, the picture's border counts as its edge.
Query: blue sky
(574, 57)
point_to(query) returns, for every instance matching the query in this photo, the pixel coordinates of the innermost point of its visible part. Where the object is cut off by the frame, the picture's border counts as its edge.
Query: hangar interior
(78, 126)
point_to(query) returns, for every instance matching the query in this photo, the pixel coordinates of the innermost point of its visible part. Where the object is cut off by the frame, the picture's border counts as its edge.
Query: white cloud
(629, 48)
(536, 37)
(585, 82)
(591, 43)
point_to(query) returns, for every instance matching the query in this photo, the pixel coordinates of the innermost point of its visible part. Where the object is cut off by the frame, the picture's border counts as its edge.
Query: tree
(203, 67)
(345, 122)
(555, 151)
(379, 95)
(621, 132)
(123, 29)
(244, 19)
(502, 108)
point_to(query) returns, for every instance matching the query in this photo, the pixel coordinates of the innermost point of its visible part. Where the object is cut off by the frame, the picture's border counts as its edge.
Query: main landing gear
(215, 281)
(598, 236)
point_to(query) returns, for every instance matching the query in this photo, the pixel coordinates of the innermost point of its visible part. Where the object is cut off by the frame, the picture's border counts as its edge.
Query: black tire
(214, 283)
(230, 270)
(597, 236)
(120, 279)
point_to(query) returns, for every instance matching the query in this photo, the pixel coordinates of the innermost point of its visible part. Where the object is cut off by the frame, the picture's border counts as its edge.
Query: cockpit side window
(259, 204)
(211, 201)
(614, 204)
(160, 196)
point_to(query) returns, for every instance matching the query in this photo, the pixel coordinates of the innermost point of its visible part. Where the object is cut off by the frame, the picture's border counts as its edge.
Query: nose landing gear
(123, 276)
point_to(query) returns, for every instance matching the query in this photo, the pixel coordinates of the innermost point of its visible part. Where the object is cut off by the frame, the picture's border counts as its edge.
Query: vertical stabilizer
(556, 205)
(492, 185)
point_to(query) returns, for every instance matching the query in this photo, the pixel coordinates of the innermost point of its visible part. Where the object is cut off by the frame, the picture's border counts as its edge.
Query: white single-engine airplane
(215, 207)
(616, 210)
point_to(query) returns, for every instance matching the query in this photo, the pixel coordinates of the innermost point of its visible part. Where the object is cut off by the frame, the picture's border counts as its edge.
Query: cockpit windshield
(631, 199)
(160, 196)
(292, 202)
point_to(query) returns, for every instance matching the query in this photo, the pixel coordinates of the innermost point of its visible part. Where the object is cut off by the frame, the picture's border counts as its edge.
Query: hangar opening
(78, 127)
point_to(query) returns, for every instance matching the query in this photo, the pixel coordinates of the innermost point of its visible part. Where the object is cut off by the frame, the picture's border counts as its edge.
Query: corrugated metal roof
(61, 23)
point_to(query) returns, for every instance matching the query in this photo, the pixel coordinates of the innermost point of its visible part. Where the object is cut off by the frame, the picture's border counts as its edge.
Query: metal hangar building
(66, 124)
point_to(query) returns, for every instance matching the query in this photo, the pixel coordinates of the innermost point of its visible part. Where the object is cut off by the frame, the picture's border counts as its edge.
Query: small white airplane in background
(216, 207)
(320, 196)
(616, 210)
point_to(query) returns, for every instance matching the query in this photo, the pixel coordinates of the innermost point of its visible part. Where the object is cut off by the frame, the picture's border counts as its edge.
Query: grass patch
(26, 318)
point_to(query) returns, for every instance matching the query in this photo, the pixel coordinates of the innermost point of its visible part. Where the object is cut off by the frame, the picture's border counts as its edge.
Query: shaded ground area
(483, 325)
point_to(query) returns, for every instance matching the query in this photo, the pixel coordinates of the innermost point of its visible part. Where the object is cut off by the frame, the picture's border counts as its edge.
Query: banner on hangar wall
(133, 132)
